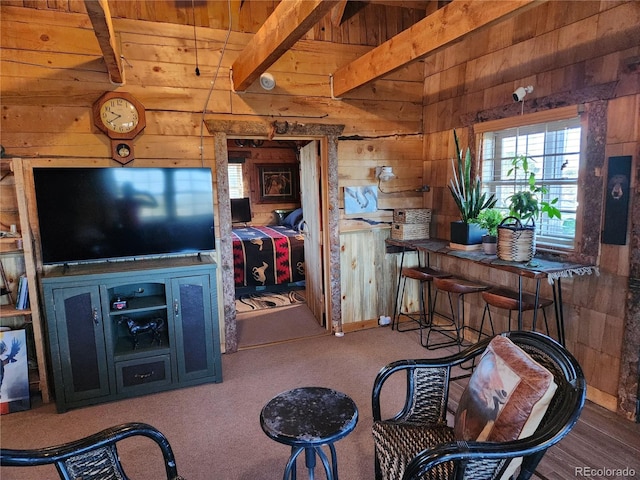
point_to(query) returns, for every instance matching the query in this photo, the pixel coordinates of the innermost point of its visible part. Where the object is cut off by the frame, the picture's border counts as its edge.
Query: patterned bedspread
(270, 255)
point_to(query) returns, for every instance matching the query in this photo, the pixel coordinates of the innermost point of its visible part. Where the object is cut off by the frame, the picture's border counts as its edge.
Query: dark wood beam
(443, 27)
(289, 21)
(100, 17)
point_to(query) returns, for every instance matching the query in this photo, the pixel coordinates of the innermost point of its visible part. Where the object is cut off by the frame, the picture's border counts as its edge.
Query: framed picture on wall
(279, 182)
(14, 378)
(360, 199)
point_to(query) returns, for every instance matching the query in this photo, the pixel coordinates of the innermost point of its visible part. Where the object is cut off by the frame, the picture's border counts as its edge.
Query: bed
(267, 255)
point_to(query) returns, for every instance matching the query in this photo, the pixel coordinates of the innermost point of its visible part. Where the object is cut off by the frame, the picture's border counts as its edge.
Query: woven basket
(412, 215)
(516, 242)
(409, 231)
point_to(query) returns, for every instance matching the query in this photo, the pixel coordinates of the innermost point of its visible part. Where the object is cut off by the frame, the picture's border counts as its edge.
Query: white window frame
(236, 180)
(559, 172)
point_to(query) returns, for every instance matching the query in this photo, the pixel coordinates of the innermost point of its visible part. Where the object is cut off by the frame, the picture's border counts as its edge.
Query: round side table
(306, 419)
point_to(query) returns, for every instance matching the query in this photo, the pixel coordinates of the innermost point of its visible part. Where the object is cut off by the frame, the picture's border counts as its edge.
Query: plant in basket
(516, 233)
(468, 196)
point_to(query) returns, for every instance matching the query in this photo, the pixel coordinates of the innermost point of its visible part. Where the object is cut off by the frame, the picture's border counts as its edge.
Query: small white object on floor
(384, 320)
(339, 334)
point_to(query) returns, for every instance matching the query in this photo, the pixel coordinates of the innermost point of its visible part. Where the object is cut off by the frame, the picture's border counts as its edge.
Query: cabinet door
(81, 343)
(193, 327)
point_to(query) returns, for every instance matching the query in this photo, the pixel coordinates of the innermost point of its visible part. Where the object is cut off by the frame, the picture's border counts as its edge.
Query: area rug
(264, 300)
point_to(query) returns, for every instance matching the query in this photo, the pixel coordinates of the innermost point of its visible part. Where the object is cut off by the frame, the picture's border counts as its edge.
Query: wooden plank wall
(572, 54)
(52, 72)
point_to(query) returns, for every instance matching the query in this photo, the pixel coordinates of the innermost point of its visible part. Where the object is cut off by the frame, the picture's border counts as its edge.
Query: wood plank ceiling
(291, 19)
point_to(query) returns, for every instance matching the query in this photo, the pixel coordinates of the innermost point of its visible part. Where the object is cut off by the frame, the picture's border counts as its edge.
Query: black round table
(306, 419)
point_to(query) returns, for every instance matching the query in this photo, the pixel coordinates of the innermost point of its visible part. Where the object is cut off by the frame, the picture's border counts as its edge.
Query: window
(236, 186)
(553, 149)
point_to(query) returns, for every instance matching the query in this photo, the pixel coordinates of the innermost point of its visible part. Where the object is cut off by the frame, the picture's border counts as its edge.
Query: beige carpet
(215, 432)
(262, 327)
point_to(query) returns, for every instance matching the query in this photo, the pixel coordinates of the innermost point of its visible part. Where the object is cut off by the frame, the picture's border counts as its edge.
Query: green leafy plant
(489, 219)
(526, 204)
(467, 191)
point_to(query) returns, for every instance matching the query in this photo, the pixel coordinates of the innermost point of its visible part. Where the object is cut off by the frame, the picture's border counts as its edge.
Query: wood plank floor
(601, 446)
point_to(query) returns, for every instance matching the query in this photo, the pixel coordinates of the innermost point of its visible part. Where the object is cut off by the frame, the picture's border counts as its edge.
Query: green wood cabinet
(94, 311)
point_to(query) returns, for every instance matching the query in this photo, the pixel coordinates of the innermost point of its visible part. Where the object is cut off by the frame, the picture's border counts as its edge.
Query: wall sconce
(267, 81)
(519, 94)
(385, 174)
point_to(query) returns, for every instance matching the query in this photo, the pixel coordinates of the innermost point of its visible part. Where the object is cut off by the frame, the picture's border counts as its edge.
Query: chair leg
(546, 324)
(377, 469)
(447, 332)
(460, 320)
(432, 303)
(486, 311)
(421, 318)
(397, 309)
(424, 318)
(559, 329)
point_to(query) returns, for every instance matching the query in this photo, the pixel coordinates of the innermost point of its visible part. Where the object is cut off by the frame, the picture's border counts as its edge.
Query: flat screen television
(240, 210)
(94, 214)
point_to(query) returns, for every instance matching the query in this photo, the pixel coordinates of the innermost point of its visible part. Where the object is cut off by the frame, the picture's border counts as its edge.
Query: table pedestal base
(330, 469)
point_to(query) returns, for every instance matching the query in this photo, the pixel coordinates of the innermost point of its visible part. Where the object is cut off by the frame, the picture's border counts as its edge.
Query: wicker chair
(93, 457)
(400, 440)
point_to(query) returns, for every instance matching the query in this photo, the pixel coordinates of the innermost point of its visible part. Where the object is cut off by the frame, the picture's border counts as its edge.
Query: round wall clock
(121, 117)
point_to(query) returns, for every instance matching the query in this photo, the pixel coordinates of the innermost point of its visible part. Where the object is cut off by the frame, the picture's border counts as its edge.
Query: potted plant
(489, 219)
(516, 233)
(469, 198)
(525, 204)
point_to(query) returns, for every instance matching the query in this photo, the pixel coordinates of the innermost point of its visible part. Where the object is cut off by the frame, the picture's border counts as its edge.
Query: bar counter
(537, 268)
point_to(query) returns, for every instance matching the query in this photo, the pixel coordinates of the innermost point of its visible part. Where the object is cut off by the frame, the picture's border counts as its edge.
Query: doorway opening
(269, 229)
(319, 190)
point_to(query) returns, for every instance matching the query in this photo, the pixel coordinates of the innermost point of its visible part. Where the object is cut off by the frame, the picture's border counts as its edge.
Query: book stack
(22, 302)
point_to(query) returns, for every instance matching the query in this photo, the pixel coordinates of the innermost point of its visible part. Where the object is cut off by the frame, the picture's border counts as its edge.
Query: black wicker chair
(400, 440)
(93, 457)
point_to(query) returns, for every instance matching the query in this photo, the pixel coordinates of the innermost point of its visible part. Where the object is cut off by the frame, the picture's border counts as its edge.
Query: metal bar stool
(455, 331)
(424, 317)
(514, 301)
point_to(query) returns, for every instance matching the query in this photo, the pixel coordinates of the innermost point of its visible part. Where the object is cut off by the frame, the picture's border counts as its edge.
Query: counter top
(536, 268)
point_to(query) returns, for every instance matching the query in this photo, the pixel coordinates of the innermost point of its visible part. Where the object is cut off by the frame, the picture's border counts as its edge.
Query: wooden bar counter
(537, 269)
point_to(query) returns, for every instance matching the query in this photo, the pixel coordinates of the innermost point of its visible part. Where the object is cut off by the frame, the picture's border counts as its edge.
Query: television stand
(124, 329)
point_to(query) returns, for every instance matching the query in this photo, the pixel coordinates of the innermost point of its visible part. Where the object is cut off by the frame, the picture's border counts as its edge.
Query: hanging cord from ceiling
(213, 82)
(195, 35)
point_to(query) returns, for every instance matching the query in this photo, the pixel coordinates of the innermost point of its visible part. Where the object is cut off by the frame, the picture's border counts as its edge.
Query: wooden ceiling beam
(289, 21)
(100, 17)
(441, 28)
(337, 12)
(411, 4)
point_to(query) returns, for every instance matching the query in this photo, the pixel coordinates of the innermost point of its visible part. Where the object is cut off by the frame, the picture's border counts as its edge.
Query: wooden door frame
(327, 135)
